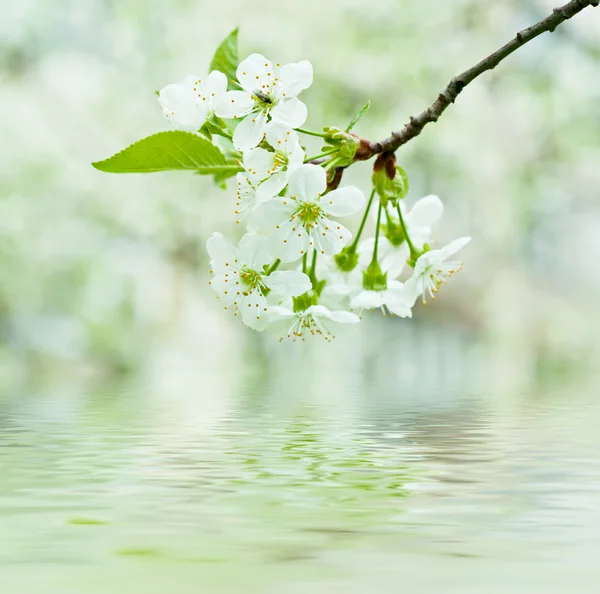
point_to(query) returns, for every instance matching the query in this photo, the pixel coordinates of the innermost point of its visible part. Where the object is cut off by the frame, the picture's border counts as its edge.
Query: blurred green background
(104, 274)
(150, 443)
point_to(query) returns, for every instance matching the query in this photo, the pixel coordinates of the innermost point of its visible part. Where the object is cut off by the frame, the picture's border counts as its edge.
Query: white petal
(290, 242)
(291, 113)
(223, 286)
(426, 212)
(365, 250)
(367, 300)
(253, 251)
(288, 283)
(318, 311)
(215, 88)
(272, 186)
(280, 136)
(276, 313)
(259, 163)
(253, 310)
(307, 182)
(344, 317)
(250, 131)
(220, 250)
(394, 259)
(330, 237)
(234, 104)
(182, 106)
(252, 72)
(400, 308)
(454, 246)
(343, 201)
(268, 215)
(294, 78)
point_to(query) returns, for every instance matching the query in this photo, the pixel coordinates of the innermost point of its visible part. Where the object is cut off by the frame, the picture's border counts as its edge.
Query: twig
(458, 83)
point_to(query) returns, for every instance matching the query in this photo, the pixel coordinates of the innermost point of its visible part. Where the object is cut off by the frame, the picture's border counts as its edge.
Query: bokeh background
(142, 429)
(108, 272)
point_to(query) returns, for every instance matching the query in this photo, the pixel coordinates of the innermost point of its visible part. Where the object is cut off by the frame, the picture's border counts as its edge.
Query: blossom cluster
(298, 269)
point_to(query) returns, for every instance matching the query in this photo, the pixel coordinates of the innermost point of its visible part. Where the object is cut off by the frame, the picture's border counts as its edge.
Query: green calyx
(373, 278)
(304, 301)
(393, 232)
(347, 259)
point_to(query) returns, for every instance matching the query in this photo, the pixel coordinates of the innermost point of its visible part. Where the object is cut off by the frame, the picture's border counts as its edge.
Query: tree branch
(458, 83)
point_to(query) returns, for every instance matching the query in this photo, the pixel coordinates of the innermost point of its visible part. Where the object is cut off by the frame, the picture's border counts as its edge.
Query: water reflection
(317, 469)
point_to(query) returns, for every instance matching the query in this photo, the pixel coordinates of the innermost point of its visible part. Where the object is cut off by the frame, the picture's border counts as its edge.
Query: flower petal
(288, 283)
(259, 163)
(344, 317)
(367, 300)
(426, 212)
(272, 186)
(252, 72)
(182, 106)
(253, 251)
(221, 252)
(276, 312)
(330, 237)
(215, 87)
(400, 308)
(250, 131)
(271, 213)
(454, 246)
(344, 201)
(291, 113)
(307, 182)
(234, 104)
(290, 242)
(253, 310)
(393, 260)
(223, 286)
(294, 78)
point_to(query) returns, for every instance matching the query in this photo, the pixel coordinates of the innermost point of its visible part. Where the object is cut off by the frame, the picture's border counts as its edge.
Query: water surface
(282, 485)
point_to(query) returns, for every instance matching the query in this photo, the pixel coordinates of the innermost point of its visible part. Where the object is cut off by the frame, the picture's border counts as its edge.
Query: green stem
(273, 267)
(374, 258)
(304, 262)
(363, 222)
(331, 163)
(413, 251)
(320, 156)
(311, 133)
(313, 266)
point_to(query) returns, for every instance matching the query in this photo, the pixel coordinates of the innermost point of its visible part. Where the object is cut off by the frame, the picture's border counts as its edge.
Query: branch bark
(458, 83)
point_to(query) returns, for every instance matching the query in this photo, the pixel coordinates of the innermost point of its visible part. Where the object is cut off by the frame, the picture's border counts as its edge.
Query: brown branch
(458, 83)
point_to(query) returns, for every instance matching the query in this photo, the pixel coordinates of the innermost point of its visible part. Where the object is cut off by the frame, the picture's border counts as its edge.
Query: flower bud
(389, 189)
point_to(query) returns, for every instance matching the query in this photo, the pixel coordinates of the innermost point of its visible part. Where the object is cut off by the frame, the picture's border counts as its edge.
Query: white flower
(187, 105)
(247, 197)
(240, 280)
(395, 299)
(301, 219)
(419, 221)
(269, 95)
(270, 170)
(314, 320)
(433, 268)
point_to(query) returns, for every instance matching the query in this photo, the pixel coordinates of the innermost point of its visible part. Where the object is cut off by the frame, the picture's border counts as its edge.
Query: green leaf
(358, 116)
(167, 151)
(226, 58)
